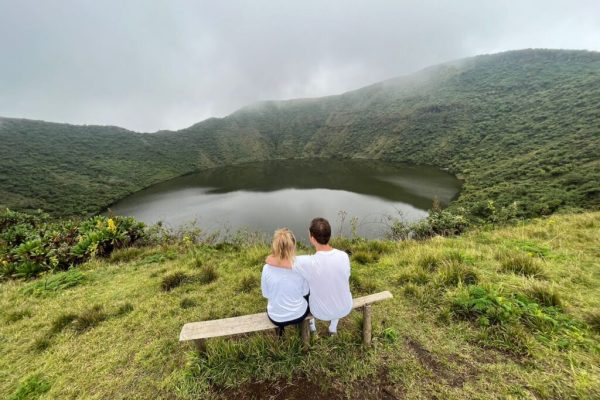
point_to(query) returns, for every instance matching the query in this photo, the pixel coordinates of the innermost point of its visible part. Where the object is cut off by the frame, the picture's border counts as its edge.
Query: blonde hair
(284, 244)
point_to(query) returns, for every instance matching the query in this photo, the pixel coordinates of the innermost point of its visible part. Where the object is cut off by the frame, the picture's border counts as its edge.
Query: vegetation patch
(124, 309)
(173, 280)
(55, 282)
(32, 388)
(208, 273)
(508, 313)
(247, 283)
(520, 264)
(89, 318)
(17, 315)
(187, 302)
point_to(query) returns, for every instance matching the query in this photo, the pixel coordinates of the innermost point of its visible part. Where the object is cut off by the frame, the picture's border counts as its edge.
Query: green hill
(496, 313)
(517, 126)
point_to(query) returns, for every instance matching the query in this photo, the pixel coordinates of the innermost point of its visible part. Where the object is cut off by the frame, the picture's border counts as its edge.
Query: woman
(286, 290)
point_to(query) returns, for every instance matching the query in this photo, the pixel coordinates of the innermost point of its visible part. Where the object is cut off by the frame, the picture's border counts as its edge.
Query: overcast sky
(150, 65)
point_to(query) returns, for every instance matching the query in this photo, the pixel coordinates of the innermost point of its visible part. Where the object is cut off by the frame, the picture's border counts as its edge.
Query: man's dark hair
(320, 230)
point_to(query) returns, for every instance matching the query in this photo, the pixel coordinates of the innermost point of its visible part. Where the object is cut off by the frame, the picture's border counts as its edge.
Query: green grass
(445, 335)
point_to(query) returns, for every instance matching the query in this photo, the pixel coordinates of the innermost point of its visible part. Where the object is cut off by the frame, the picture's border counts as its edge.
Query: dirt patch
(453, 378)
(298, 389)
(377, 387)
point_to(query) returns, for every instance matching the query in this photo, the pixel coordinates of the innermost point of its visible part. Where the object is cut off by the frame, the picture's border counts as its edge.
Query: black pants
(281, 325)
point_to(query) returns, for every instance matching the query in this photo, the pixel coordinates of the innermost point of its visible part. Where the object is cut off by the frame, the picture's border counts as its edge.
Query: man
(328, 275)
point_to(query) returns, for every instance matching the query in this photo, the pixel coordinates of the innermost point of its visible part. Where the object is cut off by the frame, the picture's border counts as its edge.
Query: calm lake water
(268, 195)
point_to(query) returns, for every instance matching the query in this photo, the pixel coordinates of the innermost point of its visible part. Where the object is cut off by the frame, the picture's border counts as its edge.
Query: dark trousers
(281, 325)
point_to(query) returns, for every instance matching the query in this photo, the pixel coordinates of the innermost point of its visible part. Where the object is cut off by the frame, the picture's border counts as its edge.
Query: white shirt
(285, 290)
(328, 276)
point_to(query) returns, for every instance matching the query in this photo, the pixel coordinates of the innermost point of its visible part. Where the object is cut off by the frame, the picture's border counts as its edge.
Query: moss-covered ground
(496, 313)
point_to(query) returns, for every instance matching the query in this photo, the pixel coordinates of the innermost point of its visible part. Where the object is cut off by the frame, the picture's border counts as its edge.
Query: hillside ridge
(518, 126)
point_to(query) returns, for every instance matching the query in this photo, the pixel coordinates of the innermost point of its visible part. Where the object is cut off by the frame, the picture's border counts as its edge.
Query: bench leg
(305, 332)
(200, 346)
(367, 325)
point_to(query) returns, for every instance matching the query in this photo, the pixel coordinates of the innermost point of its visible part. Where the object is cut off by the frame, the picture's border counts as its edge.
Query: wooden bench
(198, 332)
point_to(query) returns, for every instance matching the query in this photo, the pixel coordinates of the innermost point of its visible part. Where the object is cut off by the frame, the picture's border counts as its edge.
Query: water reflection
(267, 195)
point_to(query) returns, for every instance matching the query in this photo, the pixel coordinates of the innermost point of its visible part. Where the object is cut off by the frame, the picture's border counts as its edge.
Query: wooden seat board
(253, 322)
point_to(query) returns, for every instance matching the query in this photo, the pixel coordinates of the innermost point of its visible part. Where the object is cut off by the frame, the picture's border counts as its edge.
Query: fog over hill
(517, 126)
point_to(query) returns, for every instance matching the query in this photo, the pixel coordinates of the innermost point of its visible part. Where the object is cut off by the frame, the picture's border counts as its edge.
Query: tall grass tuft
(89, 318)
(208, 274)
(543, 295)
(186, 303)
(429, 262)
(451, 274)
(593, 321)
(173, 280)
(247, 283)
(520, 264)
(62, 321)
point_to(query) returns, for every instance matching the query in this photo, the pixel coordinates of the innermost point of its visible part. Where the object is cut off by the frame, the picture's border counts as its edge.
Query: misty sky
(150, 65)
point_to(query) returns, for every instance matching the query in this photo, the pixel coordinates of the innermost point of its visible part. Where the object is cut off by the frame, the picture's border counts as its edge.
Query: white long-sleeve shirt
(285, 291)
(328, 277)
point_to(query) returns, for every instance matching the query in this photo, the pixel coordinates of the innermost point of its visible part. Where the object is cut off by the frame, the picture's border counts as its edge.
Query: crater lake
(356, 196)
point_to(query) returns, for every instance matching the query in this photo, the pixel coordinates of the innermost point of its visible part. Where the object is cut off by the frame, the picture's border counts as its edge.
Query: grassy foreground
(495, 313)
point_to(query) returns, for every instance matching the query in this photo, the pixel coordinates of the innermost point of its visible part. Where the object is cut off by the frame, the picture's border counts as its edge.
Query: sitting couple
(296, 285)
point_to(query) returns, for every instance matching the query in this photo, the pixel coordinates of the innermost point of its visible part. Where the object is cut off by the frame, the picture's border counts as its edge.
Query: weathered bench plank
(199, 331)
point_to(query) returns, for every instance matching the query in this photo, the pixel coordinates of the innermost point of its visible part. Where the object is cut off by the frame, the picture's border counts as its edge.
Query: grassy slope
(518, 126)
(423, 352)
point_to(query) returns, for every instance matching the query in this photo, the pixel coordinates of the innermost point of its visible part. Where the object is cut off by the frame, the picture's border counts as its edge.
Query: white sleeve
(305, 288)
(302, 266)
(263, 283)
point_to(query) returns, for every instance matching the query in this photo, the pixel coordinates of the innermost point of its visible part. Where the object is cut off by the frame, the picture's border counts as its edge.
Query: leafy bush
(32, 243)
(438, 223)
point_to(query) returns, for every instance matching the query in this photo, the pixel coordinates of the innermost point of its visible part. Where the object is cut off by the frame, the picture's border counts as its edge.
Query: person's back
(285, 290)
(328, 276)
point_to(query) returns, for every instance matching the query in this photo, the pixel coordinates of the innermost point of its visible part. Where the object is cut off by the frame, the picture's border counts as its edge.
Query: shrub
(207, 274)
(31, 244)
(247, 283)
(173, 280)
(521, 264)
